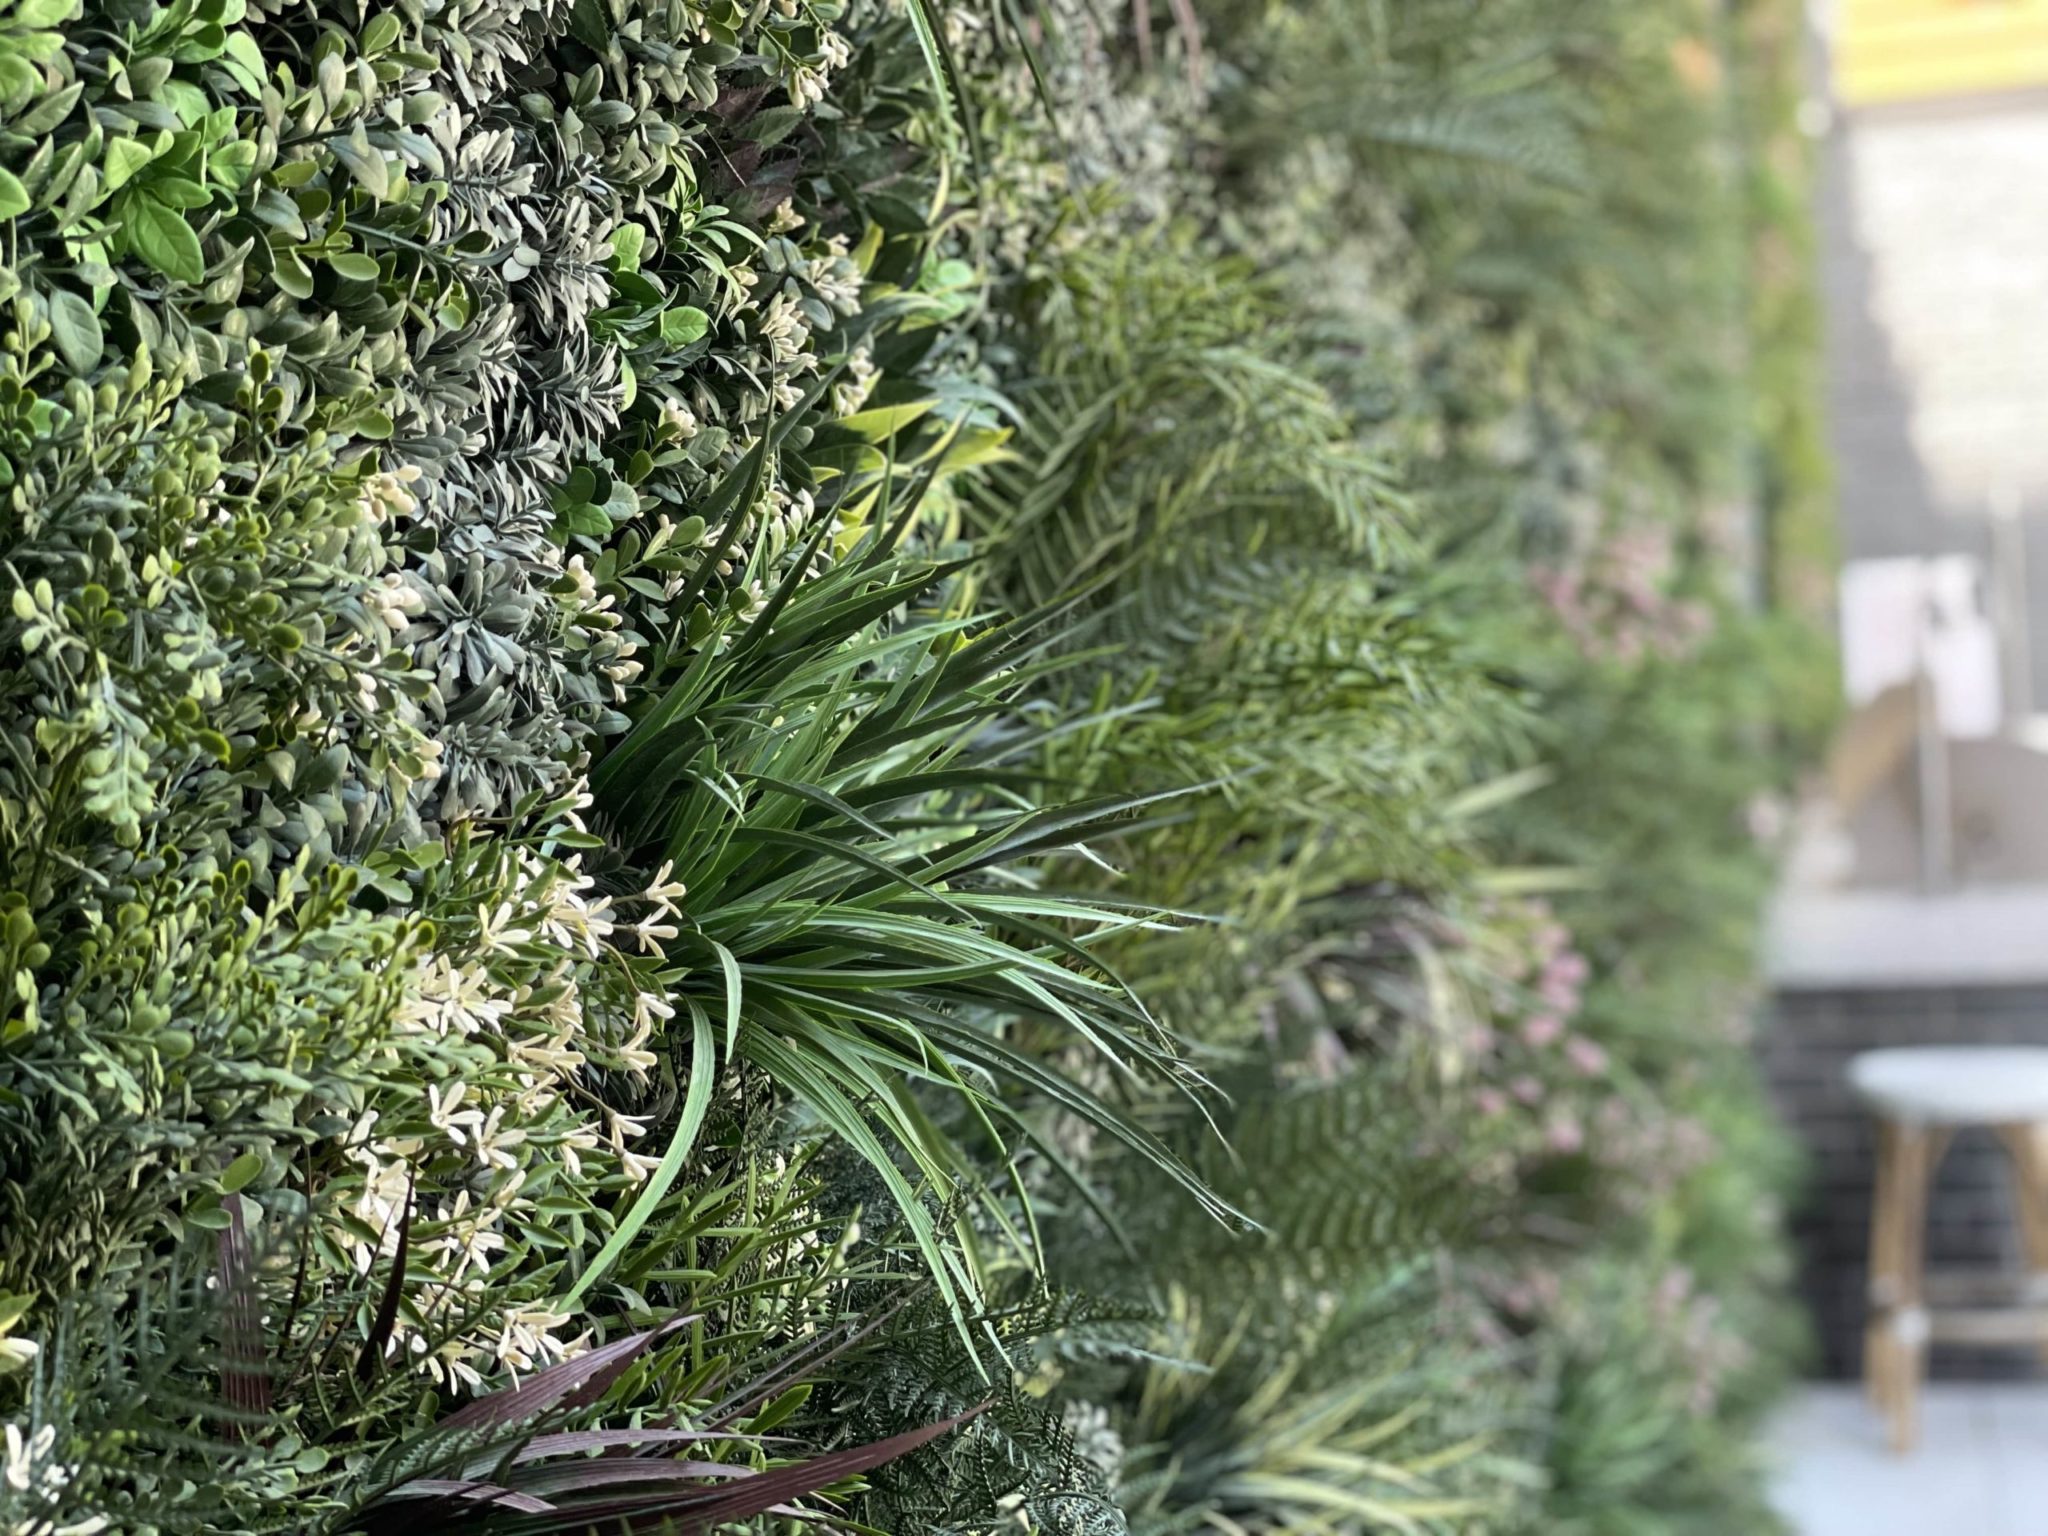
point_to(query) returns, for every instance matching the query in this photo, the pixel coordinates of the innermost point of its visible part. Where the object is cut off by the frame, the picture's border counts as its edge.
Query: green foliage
(679, 678)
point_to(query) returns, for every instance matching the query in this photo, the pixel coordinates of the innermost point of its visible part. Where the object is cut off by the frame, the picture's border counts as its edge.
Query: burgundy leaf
(609, 1471)
(577, 1382)
(697, 1511)
(244, 1379)
(394, 1289)
(594, 1439)
(470, 1492)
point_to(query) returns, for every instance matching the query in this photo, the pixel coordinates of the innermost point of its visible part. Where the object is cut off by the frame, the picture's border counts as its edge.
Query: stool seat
(1954, 1084)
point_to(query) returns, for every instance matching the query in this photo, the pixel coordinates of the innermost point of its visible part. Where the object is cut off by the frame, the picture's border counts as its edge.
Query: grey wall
(1933, 222)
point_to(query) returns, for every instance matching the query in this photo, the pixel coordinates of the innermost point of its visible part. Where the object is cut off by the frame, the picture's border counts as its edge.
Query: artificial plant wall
(931, 769)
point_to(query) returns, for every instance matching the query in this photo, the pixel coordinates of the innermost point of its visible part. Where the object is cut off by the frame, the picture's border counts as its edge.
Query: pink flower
(1492, 1102)
(1569, 967)
(1564, 1136)
(1542, 1029)
(1527, 1089)
(1586, 1055)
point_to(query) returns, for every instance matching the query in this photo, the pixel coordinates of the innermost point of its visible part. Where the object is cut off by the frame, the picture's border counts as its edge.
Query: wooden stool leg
(2027, 1145)
(1923, 1152)
(1882, 1282)
(1895, 1343)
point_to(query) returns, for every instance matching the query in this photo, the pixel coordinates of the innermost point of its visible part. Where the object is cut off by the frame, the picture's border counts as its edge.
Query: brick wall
(1807, 1051)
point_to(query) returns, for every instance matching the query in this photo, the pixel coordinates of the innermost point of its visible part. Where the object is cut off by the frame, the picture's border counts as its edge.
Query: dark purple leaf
(394, 1289)
(573, 1382)
(244, 1379)
(595, 1439)
(609, 1471)
(470, 1491)
(697, 1511)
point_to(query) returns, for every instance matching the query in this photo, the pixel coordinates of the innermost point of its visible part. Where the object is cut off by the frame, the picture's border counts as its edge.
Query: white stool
(1921, 1097)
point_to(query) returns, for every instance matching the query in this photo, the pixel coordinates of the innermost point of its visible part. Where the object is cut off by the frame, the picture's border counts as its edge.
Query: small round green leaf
(241, 1171)
(354, 265)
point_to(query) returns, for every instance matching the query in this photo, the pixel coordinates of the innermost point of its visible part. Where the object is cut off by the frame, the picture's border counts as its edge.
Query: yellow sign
(1909, 50)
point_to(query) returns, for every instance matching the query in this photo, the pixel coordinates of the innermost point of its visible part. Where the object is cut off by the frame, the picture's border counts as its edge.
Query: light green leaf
(75, 330)
(124, 158)
(161, 237)
(364, 162)
(233, 164)
(380, 34)
(244, 60)
(681, 326)
(886, 421)
(731, 967)
(14, 197)
(354, 265)
(628, 241)
(40, 15)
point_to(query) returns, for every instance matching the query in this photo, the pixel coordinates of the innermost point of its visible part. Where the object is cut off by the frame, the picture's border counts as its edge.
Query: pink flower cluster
(1692, 1322)
(1615, 603)
(1529, 1063)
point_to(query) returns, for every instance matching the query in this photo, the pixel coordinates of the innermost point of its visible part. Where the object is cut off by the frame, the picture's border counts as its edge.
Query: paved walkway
(1981, 1469)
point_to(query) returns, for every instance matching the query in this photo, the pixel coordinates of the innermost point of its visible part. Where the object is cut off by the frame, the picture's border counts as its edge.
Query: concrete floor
(1981, 1468)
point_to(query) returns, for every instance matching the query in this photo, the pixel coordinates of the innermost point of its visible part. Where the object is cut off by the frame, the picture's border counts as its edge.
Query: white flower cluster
(500, 1023)
(31, 1470)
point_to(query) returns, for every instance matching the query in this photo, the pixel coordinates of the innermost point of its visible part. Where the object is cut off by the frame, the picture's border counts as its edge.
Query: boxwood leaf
(683, 325)
(241, 1171)
(75, 330)
(354, 264)
(161, 237)
(124, 158)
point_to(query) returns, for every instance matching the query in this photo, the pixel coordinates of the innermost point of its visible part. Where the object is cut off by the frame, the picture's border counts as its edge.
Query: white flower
(573, 1145)
(807, 86)
(388, 494)
(637, 1168)
(583, 584)
(449, 1366)
(394, 601)
(494, 1142)
(22, 1455)
(469, 1240)
(782, 326)
(678, 422)
(663, 892)
(837, 281)
(387, 1185)
(573, 920)
(526, 1341)
(495, 932)
(856, 381)
(28, 1468)
(448, 1000)
(651, 933)
(457, 1124)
